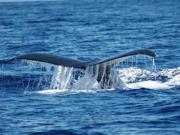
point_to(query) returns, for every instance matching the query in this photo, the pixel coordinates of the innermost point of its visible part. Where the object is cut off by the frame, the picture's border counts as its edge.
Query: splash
(61, 78)
(135, 78)
(127, 75)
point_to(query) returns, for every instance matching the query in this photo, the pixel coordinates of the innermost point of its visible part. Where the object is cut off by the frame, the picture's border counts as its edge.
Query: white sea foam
(137, 78)
(52, 91)
(128, 78)
(155, 85)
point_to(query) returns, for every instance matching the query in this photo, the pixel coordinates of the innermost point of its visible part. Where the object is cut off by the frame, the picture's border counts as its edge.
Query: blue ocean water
(87, 29)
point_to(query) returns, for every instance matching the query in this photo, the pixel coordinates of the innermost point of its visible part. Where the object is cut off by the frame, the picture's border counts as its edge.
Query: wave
(65, 132)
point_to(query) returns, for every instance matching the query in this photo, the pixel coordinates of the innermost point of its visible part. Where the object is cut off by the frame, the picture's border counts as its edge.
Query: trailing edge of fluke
(67, 62)
(101, 69)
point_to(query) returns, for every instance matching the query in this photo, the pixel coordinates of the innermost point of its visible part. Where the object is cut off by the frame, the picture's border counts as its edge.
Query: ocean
(38, 98)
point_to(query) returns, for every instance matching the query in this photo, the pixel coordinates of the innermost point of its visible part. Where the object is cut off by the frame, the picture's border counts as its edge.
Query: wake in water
(129, 77)
(135, 78)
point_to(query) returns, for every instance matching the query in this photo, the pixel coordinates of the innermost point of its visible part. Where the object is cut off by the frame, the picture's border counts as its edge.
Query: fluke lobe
(102, 68)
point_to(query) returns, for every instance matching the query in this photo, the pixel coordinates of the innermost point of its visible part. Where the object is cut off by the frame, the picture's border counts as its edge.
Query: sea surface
(147, 103)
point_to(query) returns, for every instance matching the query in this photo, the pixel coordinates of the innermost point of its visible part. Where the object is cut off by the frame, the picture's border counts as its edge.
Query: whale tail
(67, 62)
(104, 66)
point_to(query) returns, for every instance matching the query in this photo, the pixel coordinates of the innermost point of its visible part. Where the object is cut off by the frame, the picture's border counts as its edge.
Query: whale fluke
(103, 73)
(122, 57)
(67, 62)
(48, 58)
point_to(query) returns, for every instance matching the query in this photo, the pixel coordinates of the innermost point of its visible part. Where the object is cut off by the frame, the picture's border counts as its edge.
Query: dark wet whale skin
(104, 66)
